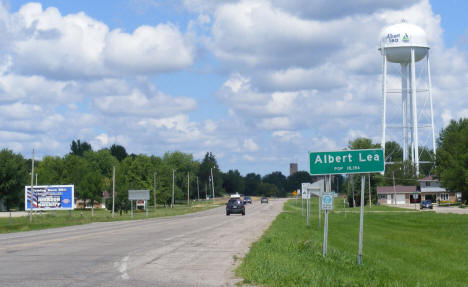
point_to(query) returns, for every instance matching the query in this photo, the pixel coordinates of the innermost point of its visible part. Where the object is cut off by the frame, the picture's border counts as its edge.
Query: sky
(260, 83)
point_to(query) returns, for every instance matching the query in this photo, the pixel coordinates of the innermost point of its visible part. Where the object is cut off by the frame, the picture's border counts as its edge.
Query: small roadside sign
(305, 190)
(327, 201)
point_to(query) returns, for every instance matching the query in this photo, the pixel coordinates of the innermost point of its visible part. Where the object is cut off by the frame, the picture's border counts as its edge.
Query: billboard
(138, 194)
(49, 197)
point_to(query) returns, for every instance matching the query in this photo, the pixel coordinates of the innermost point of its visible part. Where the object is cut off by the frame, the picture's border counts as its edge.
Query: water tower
(406, 44)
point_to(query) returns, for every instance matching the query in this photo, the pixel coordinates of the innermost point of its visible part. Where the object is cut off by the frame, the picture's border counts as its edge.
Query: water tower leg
(430, 100)
(404, 107)
(410, 104)
(384, 98)
(415, 112)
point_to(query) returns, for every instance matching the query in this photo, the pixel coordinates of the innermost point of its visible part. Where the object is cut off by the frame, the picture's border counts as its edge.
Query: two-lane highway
(199, 249)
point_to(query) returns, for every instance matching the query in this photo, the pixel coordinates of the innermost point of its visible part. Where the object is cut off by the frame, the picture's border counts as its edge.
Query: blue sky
(258, 83)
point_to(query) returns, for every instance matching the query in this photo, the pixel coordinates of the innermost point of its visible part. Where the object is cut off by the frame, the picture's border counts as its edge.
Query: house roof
(398, 189)
(432, 189)
(428, 178)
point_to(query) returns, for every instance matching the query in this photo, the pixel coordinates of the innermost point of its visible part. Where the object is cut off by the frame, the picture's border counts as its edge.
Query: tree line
(449, 164)
(91, 173)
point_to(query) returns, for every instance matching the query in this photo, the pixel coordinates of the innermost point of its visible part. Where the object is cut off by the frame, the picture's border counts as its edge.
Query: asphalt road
(200, 249)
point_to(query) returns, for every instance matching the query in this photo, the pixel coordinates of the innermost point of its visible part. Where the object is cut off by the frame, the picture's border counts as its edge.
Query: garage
(400, 199)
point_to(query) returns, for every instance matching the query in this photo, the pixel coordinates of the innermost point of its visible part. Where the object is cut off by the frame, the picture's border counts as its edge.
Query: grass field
(401, 248)
(53, 219)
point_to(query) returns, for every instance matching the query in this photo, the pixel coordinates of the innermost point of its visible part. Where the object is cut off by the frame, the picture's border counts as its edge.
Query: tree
(209, 161)
(362, 143)
(278, 179)
(452, 157)
(427, 159)
(295, 180)
(51, 170)
(267, 189)
(74, 170)
(393, 152)
(78, 148)
(252, 181)
(353, 181)
(101, 161)
(118, 152)
(91, 188)
(13, 178)
(233, 182)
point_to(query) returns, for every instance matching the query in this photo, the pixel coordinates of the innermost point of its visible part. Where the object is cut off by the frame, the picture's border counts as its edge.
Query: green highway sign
(347, 161)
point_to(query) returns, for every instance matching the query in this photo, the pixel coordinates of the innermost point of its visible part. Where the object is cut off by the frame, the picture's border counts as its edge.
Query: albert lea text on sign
(348, 161)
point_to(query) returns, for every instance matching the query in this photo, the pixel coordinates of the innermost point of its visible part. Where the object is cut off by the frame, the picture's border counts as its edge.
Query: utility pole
(173, 180)
(113, 190)
(32, 188)
(188, 188)
(36, 178)
(154, 188)
(198, 190)
(212, 185)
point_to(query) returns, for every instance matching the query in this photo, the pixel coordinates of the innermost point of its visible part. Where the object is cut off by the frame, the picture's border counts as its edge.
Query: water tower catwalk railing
(406, 44)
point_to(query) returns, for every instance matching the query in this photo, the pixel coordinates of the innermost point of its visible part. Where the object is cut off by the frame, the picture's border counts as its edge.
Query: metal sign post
(327, 204)
(346, 162)
(361, 220)
(320, 208)
(302, 206)
(344, 205)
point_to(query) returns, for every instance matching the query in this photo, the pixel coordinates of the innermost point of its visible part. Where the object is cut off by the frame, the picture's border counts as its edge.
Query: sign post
(305, 192)
(302, 206)
(361, 220)
(139, 195)
(327, 204)
(345, 162)
(344, 205)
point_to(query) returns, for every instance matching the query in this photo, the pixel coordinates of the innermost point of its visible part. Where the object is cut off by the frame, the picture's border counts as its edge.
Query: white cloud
(250, 145)
(301, 75)
(76, 45)
(287, 136)
(138, 103)
(148, 50)
(256, 34)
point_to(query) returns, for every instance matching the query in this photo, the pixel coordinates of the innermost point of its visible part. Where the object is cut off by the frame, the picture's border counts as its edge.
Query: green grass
(401, 248)
(78, 216)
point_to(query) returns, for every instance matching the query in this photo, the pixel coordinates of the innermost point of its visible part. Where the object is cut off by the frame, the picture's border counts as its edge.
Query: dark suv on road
(235, 205)
(247, 199)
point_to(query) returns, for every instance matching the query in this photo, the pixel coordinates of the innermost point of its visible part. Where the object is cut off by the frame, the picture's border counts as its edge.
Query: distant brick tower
(292, 168)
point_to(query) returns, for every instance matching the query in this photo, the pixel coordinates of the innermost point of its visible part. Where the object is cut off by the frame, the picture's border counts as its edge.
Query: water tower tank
(398, 39)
